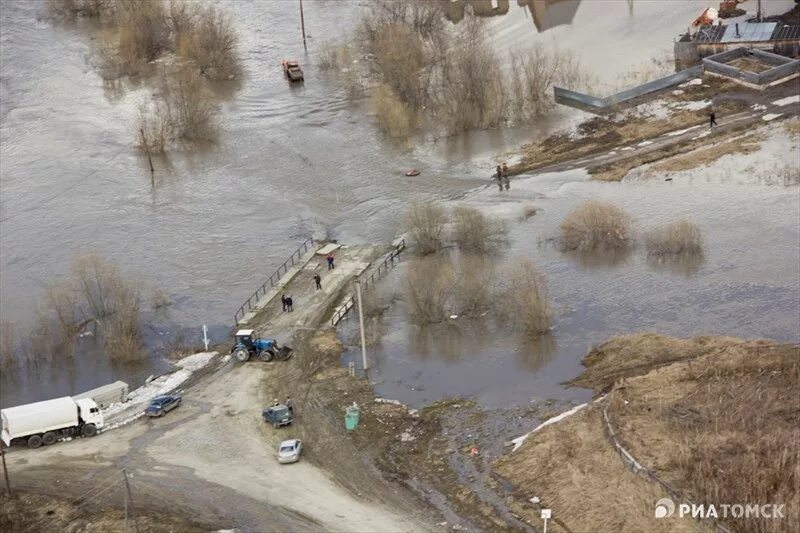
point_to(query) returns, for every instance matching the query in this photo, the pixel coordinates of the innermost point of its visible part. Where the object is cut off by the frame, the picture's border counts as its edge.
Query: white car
(289, 451)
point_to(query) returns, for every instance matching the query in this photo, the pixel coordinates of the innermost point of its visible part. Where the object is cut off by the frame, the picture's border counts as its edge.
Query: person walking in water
(283, 301)
(317, 281)
(499, 177)
(331, 266)
(712, 119)
(505, 177)
(289, 303)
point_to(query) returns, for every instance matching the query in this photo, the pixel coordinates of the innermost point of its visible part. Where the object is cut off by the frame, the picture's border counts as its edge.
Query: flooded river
(298, 161)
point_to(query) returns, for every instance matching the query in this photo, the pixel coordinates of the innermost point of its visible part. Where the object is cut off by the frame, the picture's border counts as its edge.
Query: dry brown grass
(524, 300)
(393, 117)
(575, 472)
(429, 286)
(477, 233)
(715, 418)
(746, 144)
(596, 225)
(425, 223)
(676, 238)
(749, 64)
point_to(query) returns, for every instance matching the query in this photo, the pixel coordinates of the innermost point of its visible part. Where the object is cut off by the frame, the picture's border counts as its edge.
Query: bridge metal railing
(369, 281)
(273, 279)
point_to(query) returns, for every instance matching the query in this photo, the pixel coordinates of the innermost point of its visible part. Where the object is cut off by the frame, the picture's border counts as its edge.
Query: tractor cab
(249, 344)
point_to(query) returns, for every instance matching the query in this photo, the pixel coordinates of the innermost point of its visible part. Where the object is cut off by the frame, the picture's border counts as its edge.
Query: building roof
(748, 32)
(786, 32)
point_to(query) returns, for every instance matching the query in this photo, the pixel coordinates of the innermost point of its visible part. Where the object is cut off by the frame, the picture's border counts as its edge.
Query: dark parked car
(161, 404)
(278, 415)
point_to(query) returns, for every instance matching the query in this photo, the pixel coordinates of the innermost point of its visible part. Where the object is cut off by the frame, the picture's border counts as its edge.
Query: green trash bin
(351, 416)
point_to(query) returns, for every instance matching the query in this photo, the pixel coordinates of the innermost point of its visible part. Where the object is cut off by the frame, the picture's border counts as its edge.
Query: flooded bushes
(450, 76)
(429, 286)
(425, 223)
(475, 232)
(596, 225)
(676, 238)
(525, 301)
(95, 297)
(393, 117)
(207, 38)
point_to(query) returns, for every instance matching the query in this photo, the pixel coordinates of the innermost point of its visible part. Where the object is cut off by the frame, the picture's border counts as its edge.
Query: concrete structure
(780, 68)
(611, 104)
(775, 37)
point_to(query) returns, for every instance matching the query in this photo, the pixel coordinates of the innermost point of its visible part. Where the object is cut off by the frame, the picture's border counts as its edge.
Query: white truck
(48, 421)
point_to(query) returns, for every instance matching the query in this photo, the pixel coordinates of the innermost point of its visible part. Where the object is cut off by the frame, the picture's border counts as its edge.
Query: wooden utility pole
(129, 499)
(5, 470)
(149, 158)
(303, 26)
(361, 325)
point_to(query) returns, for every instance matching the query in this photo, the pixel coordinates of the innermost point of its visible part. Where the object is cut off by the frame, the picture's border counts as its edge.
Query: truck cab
(90, 412)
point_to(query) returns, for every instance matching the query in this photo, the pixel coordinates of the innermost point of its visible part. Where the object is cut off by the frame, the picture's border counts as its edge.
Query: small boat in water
(291, 68)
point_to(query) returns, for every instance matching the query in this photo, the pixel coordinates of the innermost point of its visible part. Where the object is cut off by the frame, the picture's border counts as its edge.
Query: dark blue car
(161, 404)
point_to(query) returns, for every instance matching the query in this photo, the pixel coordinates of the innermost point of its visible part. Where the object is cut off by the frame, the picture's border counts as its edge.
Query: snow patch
(519, 440)
(386, 400)
(771, 116)
(694, 81)
(644, 143)
(680, 132)
(627, 148)
(758, 107)
(677, 92)
(704, 134)
(788, 100)
(692, 106)
(138, 398)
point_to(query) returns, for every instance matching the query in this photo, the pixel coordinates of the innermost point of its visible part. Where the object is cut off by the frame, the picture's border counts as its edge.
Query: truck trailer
(104, 396)
(49, 421)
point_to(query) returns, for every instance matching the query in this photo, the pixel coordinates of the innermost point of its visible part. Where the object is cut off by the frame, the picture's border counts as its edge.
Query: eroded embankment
(711, 420)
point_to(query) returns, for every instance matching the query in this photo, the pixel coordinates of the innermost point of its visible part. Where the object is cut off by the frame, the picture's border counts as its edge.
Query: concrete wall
(611, 103)
(778, 73)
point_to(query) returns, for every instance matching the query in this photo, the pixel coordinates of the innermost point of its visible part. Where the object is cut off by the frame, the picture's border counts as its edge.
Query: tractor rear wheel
(242, 354)
(266, 356)
(49, 438)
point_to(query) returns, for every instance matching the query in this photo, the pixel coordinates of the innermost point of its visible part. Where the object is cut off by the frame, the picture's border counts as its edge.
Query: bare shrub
(423, 17)
(429, 285)
(528, 211)
(61, 300)
(122, 329)
(680, 237)
(472, 93)
(533, 74)
(400, 56)
(596, 225)
(80, 8)
(7, 344)
(475, 282)
(153, 127)
(425, 223)
(96, 280)
(524, 301)
(393, 117)
(475, 232)
(142, 32)
(190, 107)
(327, 56)
(181, 17)
(160, 299)
(210, 42)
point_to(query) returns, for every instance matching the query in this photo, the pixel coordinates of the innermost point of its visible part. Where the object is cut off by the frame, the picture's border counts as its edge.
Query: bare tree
(7, 343)
(425, 223)
(475, 284)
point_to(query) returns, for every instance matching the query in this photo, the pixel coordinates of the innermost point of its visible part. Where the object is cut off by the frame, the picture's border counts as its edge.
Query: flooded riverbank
(292, 162)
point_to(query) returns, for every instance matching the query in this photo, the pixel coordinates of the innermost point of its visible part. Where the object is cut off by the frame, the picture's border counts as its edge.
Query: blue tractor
(248, 344)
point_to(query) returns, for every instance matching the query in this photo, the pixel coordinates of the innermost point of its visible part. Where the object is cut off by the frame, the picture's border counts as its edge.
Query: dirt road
(214, 459)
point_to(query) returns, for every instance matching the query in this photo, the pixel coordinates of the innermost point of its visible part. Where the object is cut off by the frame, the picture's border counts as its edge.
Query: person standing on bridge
(317, 281)
(283, 301)
(289, 304)
(712, 119)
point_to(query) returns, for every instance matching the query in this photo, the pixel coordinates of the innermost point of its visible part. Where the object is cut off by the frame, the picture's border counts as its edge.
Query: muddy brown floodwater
(292, 162)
